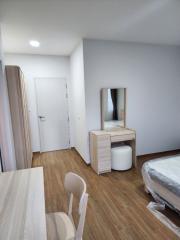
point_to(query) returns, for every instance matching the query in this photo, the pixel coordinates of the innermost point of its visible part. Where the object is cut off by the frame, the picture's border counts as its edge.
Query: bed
(162, 180)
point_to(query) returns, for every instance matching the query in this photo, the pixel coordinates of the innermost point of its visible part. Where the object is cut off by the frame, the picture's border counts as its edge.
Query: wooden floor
(117, 201)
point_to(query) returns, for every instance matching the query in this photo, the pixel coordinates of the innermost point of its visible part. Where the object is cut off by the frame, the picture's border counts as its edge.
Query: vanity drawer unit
(120, 136)
(100, 147)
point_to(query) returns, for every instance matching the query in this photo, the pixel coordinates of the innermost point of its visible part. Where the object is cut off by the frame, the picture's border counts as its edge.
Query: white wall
(151, 74)
(34, 66)
(6, 135)
(78, 103)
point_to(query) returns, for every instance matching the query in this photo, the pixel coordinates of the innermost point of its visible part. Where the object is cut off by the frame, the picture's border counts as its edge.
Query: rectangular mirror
(113, 108)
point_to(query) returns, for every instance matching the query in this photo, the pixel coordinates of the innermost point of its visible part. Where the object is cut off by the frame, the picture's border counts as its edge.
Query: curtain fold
(114, 101)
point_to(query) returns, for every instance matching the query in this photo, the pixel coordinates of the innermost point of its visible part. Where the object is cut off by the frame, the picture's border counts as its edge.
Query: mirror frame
(103, 110)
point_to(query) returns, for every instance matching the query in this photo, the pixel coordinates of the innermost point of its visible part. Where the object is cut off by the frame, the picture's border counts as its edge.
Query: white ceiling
(60, 24)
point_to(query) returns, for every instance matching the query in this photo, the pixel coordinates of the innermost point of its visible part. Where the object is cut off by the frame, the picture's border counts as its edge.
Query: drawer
(104, 144)
(104, 159)
(104, 166)
(103, 141)
(121, 138)
(103, 138)
(104, 152)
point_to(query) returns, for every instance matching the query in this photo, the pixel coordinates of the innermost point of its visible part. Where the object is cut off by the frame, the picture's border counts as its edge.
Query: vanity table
(100, 147)
(114, 132)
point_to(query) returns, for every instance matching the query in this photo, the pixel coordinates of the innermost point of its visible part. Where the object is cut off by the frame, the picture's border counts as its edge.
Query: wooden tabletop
(114, 132)
(22, 205)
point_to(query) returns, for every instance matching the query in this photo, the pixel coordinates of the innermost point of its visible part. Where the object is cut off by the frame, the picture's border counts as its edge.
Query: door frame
(37, 107)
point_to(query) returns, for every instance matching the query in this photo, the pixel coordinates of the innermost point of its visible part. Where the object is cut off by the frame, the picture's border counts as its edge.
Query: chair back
(75, 186)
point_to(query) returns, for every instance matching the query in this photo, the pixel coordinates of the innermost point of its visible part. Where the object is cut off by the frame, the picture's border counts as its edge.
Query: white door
(52, 104)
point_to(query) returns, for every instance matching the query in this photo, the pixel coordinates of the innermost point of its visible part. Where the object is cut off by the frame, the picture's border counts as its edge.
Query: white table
(22, 205)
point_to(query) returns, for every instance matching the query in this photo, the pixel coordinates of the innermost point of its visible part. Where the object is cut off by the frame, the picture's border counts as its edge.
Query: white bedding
(162, 179)
(169, 167)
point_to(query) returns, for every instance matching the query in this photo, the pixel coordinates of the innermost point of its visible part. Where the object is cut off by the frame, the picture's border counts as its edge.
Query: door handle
(41, 118)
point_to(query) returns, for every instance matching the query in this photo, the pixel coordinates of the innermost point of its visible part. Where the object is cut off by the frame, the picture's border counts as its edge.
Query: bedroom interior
(89, 120)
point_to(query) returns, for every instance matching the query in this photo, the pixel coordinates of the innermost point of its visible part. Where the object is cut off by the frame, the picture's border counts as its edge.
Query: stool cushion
(121, 158)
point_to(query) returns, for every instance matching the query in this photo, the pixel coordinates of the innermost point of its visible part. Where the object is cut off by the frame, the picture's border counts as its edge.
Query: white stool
(121, 158)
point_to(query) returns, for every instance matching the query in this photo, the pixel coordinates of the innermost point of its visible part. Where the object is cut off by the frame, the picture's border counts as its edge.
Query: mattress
(162, 179)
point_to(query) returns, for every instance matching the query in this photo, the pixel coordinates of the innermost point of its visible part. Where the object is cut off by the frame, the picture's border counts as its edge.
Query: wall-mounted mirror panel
(113, 108)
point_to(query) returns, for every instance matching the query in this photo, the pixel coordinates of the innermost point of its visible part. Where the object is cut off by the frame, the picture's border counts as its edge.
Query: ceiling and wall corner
(59, 25)
(103, 63)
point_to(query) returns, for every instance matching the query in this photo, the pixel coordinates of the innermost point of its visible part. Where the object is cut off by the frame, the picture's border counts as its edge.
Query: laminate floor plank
(117, 201)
